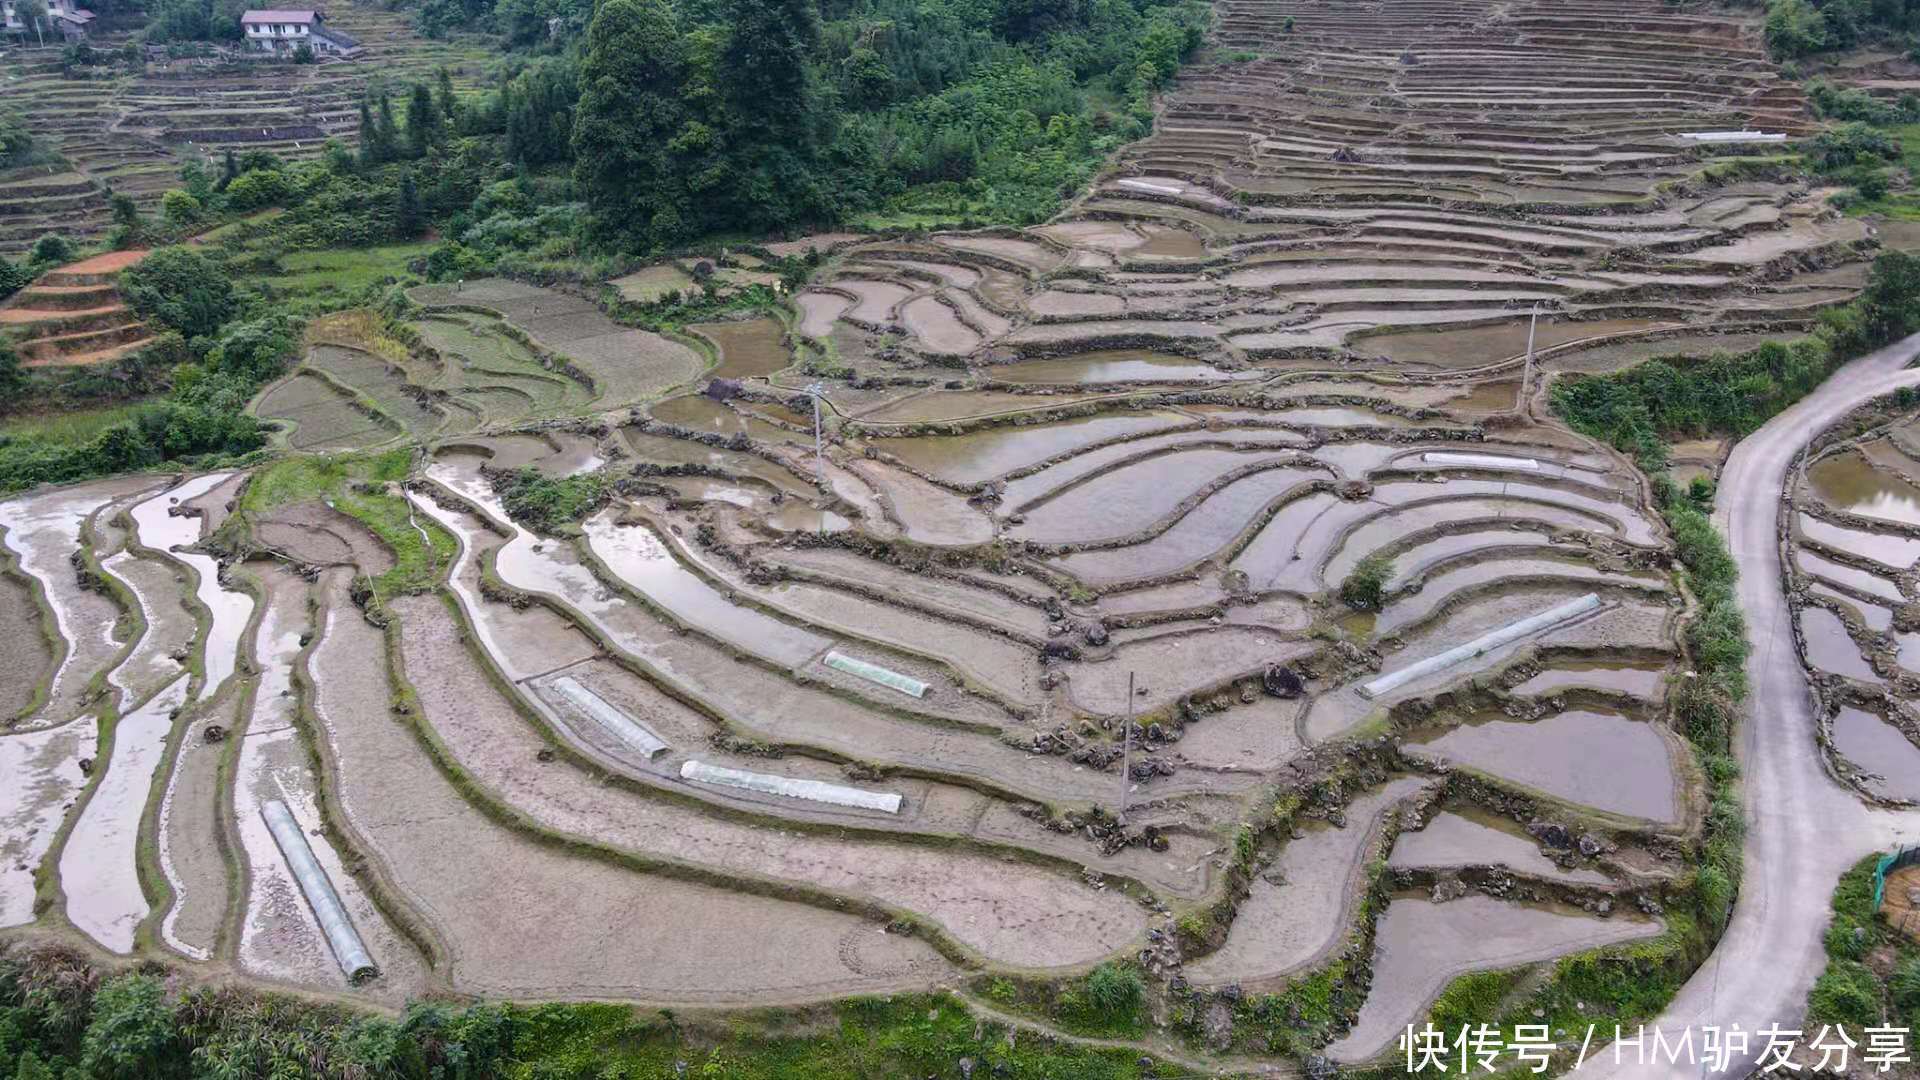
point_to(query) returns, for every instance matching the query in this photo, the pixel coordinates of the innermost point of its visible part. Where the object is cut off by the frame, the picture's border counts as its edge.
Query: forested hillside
(681, 119)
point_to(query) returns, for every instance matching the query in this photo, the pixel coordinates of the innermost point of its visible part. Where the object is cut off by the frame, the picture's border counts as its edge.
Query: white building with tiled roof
(65, 19)
(277, 30)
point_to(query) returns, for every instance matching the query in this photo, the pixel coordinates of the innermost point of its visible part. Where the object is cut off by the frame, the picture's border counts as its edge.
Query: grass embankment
(1873, 973)
(1108, 1002)
(330, 277)
(72, 427)
(1898, 205)
(355, 485)
(56, 1015)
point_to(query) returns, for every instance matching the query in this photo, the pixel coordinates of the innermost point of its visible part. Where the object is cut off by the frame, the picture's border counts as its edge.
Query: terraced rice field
(128, 132)
(989, 678)
(488, 355)
(1855, 543)
(919, 716)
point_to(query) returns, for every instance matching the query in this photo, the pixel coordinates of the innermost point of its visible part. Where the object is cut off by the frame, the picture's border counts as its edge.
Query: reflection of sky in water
(1880, 748)
(1849, 482)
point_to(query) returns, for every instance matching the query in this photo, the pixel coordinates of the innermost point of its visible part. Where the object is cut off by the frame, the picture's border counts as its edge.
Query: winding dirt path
(1803, 829)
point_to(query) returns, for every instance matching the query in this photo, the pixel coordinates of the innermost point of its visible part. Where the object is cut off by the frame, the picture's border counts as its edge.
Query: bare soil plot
(24, 648)
(624, 365)
(521, 918)
(320, 417)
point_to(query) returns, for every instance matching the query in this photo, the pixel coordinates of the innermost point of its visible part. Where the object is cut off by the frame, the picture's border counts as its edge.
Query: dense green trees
(630, 112)
(1733, 393)
(180, 288)
(775, 121)
(536, 113)
(1796, 28)
(194, 20)
(753, 115)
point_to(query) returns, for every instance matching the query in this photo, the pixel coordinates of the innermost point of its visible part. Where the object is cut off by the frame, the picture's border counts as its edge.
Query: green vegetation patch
(1107, 1002)
(356, 485)
(59, 1016)
(344, 274)
(1873, 973)
(548, 505)
(1366, 585)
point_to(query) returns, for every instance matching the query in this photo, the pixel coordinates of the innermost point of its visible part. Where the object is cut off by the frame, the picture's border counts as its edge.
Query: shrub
(257, 189)
(1851, 143)
(12, 379)
(131, 1029)
(1906, 984)
(544, 504)
(1795, 28)
(13, 278)
(1114, 990)
(181, 288)
(51, 250)
(1366, 585)
(19, 146)
(1845, 993)
(180, 208)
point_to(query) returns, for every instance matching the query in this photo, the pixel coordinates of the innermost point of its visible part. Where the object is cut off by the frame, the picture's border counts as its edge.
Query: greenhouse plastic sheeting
(1483, 644)
(342, 938)
(876, 673)
(601, 712)
(814, 790)
(1480, 461)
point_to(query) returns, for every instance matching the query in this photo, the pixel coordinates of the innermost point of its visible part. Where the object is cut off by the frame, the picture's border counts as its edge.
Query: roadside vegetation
(1639, 411)
(60, 1016)
(1873, 974)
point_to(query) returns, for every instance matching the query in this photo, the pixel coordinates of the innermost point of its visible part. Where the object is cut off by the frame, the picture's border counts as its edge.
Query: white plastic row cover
(1732, 136)
(1478, 461)
(601, 712)
(1144, 185)
(875, 673)
(813, 790)
(348, 950)
(1485, 643)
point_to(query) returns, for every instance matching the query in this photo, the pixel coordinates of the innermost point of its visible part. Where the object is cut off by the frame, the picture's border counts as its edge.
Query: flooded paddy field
(784, 706)
(1074, 595)
(1854, 543)
(777, 704)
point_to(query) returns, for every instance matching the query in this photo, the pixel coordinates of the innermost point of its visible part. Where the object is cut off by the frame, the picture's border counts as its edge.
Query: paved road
(1803, 829)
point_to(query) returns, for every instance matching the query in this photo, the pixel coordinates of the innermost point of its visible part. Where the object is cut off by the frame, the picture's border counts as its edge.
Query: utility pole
(1126, 752)
(1526, 375)
(814, 391)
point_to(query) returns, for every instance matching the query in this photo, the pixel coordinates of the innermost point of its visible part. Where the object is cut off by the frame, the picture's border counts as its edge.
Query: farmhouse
(277, 31)
(64, 17)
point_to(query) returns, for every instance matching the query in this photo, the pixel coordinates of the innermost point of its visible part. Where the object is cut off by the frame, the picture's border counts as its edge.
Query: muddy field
(1855, 543)
(1198, 559)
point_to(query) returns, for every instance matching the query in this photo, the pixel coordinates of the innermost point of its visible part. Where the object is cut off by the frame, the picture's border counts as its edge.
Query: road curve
(1803, 829)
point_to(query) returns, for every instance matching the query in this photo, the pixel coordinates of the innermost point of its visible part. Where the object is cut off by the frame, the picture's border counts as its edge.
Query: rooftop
(274, 15)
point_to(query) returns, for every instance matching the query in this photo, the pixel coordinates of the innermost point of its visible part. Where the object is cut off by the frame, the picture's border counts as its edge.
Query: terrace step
(88, 359)
(65, 297)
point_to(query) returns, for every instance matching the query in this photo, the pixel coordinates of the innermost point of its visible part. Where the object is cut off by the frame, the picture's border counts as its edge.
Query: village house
(65, 19)
(277, 31)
